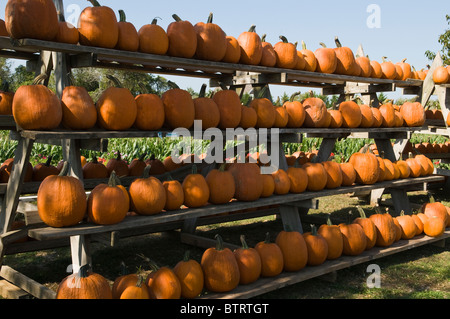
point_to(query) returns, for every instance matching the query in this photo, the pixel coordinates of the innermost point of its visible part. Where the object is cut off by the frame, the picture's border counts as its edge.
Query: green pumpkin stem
(140, 281)
(303, 45)
(243, 242)
(152, 264)
(114, 80)
(284, 39)
(210, 18)
(263, 38)
(176, 17)
(293, 96)
(40, 79)
(194, 169)
(267, 238)
(322, 44)
(187, 255)
(122, 16)
(146, 172)
(95, 3)
(338, 43)
(329, 223)
(83, 272)
(252, 28)
(112, 182)
(202, 90)
(155, 21)
(313, 230)
(361, 212)
(219, 242)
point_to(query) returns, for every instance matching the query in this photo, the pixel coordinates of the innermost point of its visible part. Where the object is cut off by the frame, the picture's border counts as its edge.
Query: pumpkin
(389, 170)
(317, 176)
(365, 66)
(179, 108)
(162, 282)
(137, 291)
(78, 108)
(265, 111)
(415, 167)
(220, 268)
(366, 116)
(385, 226)
(95, 169)
(249, 262)
(413, 114)
(336, 120)
(221, 185)
(170, 164)
(346, 63)
(268, 185)
(433, 226)
(286, 54)
(85, 284)
(281, 117)
(366, 167)
(211, 40)
(61, 200)
(6, 100)
(377, 71)
(354, 239)
(419, 224)
(407, 225)
(36, 19)
(269, 56)
(35, 107)
(317, 247)
(3, 31)
(348, 174)
(42, 170)
(249, 118)
(248, 181)
(440, 75)
(128, 39)
(147, 194)
(293, 247)
(119, 165)
(388, 69)
(157, 167)
(423, 218)
(282, 182)
(174, 194)
(272, 261)
(351, 114)
(195, 188)
(98, 26)
(124, 281)
(326, 59)
(233, 52)
(448, 216)
(315, 112)
(398, 230)
(150, 112)
(377, 117)
(190, 275)
(433, 208)
(406, 69)
(333, 236)
(153, 39)
(251, 47)
(309, 57)
(403, 168)
(382, 164)
(334, 174)
(67, 33)
(298, 178)
(206, 110)
(296, 112)
(116, 107)
(182, 38)
(108, 203)
(230, 108)
(426, 163)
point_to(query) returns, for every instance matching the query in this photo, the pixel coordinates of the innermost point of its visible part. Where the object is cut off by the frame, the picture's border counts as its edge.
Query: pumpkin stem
(124, 269)
(49, 160)
(322, 44)
(140, 281)
(293, 96)
(176, 17)
(5, 86)
(252, 28)
(112, 182)
(243, 242)
(40, 79)
(114, 80)
(338, 43)
(172, 85)
(303, 45)
(194, 169)
(284, 39)
(263, 38)
(361, 212)
(187, 255)
(202, 90)
(210, 18)
(219, 244)
(267, 238)
(222, 167)
(329, 223)
(152, 264)
(122, 16)
(65, 169)
(431, 198)
(84, 271)
(95, 3)
(155, 20)
(404, 60)
(384, 58)
(313, 230)
(146, 172)
(402, 213)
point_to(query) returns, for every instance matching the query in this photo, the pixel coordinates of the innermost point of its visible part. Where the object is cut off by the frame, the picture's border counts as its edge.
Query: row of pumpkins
(222, 269)
(35, 107)
(98, 26)
(62, 201)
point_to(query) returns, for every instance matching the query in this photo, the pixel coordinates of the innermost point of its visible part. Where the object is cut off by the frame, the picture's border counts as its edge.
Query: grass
(419, 273)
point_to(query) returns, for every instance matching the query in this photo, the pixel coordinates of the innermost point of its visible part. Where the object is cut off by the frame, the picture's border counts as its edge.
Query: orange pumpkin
(282, 182)
(182, 38)
(298, 179)
(3, 31)
(386, 231)
(67, 33)
(6, 100)
(317, 176)
(407, 225)
(190, 276)
(419, 224)
(122, 282)
(433, 208)
(440, 75)
(334, 174)
(413, 114)
(211, 40)
(366, 167)
(233, 52)
(296, 112)
(174, 194)
(333, 235)
(147, 194)
(42, 170)
(388, 113)
(162, 282)
(78, 108)
(272, 261)
(221, 185)
(128, 39)
(230, 108)
(377, 72)
(196, 190)
(351, 114)
(293, 247)
(286, 54)
(348, 174)
(406, 69)
(346, 63)
(248, 181)
(354, 238)
(94, 169)
(326, 60)
(206, 110)
(136, 291)
(309, 57)
(317, 247)
(119, 165)
(150, 112)
(249, 118)
(179, 108)
(269, 56)
(268, 185)
(367, 118)
(315, 112)
(368, 227)
(251, 47)
(336, 120)
(388, 69)
(365, 66)
(265, 111)
(153, 39)
(433, 227)
(249, 262)
(377, 117)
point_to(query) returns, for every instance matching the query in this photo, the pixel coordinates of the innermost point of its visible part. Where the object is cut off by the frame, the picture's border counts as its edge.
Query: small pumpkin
(153, 39)
(355, 241)
(271, 257)
(377, 71)
(419, 224)
(366, 116)
(385, 226)
(348, 174)
(95, 169)
(368, 227)
(128, 39)
(42, 170)
(190, 275)
(294, 249)
(220, 268)
(233, 52)
(434, 208)
(249, 118)
(248, 181)
(221, 185)
(265, 110)
(377, 117)
(345, 59)
(147, 194)
(268, 57)
(286, 54)
(182, 38)
(406, 69)
(67, 33)
(317, 176)
(137, 166)
(351, 114)
(433, 226)
(150, 114)
(268, 185)
(388, 69)
(119, 165)
(309, 57)
(326, 59)
(3, 31)
(407, 224)
(334, 174)
(333, 235)
(206, 110)
(6, 100)
(336, 120)
(282, 182)
(211, 40)
(174, 194)
(365, 66)
(230, 108)
(162, 282)
(440, 75)
(315, 112)
(249, 262)
(317, 247)
(108, 203)
(195, 188)
(137, 291)
(281, 117)
(298, 178)
(296, 112)
(125, 280)
(251, 47)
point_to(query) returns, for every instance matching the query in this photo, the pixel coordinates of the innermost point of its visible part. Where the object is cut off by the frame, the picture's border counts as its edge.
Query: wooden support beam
(29, 285)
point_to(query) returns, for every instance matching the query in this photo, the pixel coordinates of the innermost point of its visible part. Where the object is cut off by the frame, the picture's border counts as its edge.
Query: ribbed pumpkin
(366, 116)
(249, 117)
(174, 194)
(406, 69)
(128, 39)
(351, 114)
(348, 174)
(296, 112)
(98, 26)
(413, 114)
(84, 284)
(36, 19)
(315, 112)
(150, 112)
(366, 167)
(179, 108)
(116, 107)
(317, 247)
(268, 57)
(6, 100)
(281, 117)
(182, 38)
(354, 239)
(365, 66)
(211, 40)
(3, 31)
(326, 59)
(248, 181)
(221, 185)
(346, 63)
(433, 208)
(153, 39)
(35, 107)
(233, 52)
(376, 69)
(317, 176)
(136, 291)
(334, 174)
(286, 54)
(61, 200)
(78, 108)
(368, 227)
(119, 165)
(271, 257)
(95, 169)
(190, 275)
(220, 268)
(433, 226)
(251, 47)
(336, 120)
(229, 105)
(124, 281)
(268, 185)
(377, 117)
(293, 247)
(440, 75)
(108, 203)
(67, 33)
(385, 226)
(147, 194)
(388, 69)
(309, 57)
(249, 262)
(426, 163)
(282, 182)
(206, 110)
(333, 236)
(196, 190)
(162, 282)
(298, 178)
(265, 111)
(419, 224)
(407, 225)
(44, 169)
(415, 167)
(389, 170)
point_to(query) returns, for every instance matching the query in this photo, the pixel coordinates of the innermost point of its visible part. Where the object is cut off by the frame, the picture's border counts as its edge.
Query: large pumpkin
(251, 47)
(147, 194)
(36, 19)
(78, 108)
(248, 181)
(286, 54)
(150, 112)
(249, 262)
(326, 60)
(211, 40)
(61, 200)
(179, 109)
(413, 114)
(385, 226)
(98, 26)
(351, 114)
(153, 39)
(220, 268)
(293, 247)
(182, 38)
(230, 108)
(221, 185)
(366, 167)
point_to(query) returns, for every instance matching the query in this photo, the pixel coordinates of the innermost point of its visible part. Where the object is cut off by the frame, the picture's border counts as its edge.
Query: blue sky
(406, 29)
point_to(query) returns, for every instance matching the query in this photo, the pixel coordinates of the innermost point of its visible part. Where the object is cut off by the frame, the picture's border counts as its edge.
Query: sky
(397, 29)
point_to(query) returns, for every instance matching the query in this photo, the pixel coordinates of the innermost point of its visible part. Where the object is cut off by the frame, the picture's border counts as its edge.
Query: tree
(444, 39)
